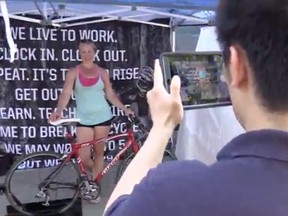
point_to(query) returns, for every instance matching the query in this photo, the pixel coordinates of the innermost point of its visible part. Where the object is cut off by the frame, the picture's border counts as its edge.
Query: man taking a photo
(250, 177)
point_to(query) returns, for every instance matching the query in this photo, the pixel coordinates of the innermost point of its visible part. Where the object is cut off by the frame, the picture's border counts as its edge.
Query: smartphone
(201, 74)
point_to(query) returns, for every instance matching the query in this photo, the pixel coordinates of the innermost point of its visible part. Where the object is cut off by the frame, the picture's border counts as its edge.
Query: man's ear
(237, 67)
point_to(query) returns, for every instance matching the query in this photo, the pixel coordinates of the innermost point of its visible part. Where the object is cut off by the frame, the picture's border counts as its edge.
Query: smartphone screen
(201, 74)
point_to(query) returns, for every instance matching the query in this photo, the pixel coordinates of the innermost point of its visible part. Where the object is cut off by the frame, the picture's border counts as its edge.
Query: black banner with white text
(31, 85)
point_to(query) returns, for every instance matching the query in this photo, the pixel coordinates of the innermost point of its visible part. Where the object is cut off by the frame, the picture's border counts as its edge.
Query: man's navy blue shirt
(250, 178)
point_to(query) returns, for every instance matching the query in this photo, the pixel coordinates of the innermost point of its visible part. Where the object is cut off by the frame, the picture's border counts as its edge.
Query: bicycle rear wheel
(168, 156)
(25, 189)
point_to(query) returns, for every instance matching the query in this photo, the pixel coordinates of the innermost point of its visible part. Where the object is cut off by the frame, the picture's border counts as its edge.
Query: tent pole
(172, 34)
(173, 15)
(39, 10)
(28, 19)
(173, 39)
(129, 16)
(139, 21)
(145, 22)
(90, 22)
(90, 15)
(134, 16)
(45, 10)
(24, 12)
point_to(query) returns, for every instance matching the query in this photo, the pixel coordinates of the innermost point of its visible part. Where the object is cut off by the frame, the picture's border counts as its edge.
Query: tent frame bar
(189, 18)
(85, 16)
(90, 22)
(154, 4)
(144, 22)
(105, 16)
(32, 20)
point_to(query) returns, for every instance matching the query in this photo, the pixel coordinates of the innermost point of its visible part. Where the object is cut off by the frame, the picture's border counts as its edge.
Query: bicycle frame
(76, 146)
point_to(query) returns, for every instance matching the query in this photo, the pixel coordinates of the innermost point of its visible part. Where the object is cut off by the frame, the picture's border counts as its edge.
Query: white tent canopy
(73, 12)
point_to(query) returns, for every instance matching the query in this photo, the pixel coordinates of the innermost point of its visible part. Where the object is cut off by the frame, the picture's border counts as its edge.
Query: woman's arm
(64, 96)
(67, 90)
(109, 92)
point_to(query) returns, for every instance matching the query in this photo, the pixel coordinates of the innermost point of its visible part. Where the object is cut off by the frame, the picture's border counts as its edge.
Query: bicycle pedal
(93, 190)
(94, 187)
(90, 196)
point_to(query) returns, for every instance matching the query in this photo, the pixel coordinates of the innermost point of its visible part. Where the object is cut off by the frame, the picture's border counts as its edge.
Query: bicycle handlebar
(64, 121)
(67, 122)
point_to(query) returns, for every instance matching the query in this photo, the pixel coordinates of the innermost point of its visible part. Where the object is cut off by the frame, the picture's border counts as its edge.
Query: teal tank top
(91, 105)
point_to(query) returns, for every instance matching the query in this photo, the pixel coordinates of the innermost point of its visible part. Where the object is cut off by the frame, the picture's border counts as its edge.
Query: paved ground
(25, 188)
(88, 209)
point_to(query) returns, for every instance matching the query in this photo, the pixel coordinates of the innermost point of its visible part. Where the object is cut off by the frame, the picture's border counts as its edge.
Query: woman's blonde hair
(90, 42)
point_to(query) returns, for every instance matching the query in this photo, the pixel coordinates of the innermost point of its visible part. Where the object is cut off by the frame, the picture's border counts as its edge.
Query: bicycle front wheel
(168, 156)
(42, 184)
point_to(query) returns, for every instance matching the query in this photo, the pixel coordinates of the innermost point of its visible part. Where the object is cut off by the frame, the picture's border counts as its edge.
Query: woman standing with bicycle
(91, 86)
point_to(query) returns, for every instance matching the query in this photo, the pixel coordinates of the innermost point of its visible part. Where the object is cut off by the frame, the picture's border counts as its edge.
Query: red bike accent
(130, 142)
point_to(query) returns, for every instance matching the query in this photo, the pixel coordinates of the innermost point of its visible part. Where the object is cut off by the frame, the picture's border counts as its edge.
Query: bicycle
(84, 188)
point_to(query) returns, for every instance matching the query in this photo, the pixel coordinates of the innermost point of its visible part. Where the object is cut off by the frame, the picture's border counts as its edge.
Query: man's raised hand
(166, 108)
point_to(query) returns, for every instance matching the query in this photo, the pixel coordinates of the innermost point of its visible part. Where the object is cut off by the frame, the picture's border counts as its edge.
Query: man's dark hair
(260, 28)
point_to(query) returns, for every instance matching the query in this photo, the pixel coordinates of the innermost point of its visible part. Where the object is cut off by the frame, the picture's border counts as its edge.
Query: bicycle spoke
(55, 172)
(69, 185)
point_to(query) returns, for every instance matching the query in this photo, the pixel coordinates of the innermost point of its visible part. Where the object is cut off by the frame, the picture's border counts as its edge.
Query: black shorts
(106, 123)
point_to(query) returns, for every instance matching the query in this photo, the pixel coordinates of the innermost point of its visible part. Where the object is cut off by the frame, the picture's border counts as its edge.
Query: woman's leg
(85, 134)
(99, 132)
